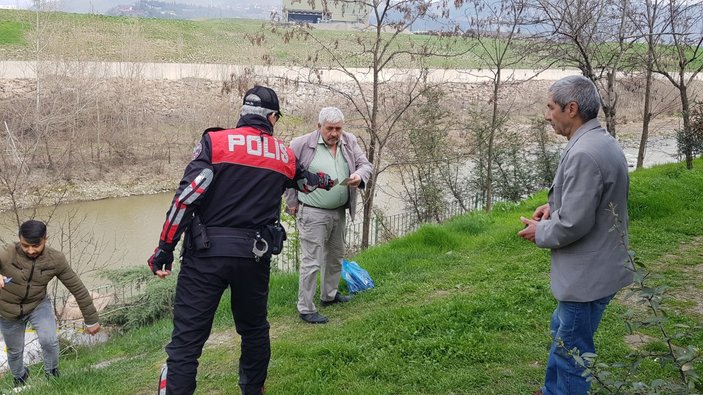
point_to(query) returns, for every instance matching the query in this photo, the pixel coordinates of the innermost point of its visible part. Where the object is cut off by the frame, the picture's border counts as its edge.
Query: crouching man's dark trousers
(201, 283)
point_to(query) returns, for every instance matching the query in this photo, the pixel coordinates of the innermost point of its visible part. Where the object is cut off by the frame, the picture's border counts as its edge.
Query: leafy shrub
(145, 298)
(692, 140)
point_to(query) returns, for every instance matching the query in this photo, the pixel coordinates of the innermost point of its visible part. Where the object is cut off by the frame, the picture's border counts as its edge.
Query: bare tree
(599, 35)
(40, 38)
(647, 18)
(69, 232)
(394, 72)
(419, 157)
(73, 235)
(681, 60)
(504, 43)
(16, 172)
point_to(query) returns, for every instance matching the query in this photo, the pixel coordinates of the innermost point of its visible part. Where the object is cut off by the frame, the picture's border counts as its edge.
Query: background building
(335, 11)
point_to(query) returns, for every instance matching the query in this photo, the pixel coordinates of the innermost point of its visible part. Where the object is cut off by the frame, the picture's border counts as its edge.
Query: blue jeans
(44, 322)
(573, 325)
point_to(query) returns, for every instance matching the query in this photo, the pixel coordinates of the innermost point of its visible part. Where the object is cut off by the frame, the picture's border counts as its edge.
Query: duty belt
(259, 245)
(225, 231)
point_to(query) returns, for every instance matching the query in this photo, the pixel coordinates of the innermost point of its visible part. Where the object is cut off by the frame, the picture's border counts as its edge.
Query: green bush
(152, 303)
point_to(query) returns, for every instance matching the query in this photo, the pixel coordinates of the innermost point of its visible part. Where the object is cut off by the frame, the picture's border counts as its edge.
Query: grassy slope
(461, 308)
(230, 41)
(11, 32)
(234, 41)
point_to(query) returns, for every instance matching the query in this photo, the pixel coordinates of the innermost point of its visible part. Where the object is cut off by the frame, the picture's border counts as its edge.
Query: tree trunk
(646, 118)
(609, 112)
(610, 109)
(686, 114)
(47, 149)
(491, 139)
(368, 210)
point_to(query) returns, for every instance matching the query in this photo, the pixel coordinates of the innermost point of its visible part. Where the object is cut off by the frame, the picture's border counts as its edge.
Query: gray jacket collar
(580, 132)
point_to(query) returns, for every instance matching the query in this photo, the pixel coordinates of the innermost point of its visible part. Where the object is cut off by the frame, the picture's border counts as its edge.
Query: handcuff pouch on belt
(276, 235)
(197, 235)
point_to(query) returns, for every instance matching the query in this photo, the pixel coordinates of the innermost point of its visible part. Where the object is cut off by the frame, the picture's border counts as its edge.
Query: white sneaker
(22, 388)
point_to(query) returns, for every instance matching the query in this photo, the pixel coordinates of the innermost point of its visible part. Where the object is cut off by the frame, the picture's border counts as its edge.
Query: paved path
(173, 71)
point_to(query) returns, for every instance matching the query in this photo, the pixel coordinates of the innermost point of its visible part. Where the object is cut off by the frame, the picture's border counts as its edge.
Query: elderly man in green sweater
(26, 267)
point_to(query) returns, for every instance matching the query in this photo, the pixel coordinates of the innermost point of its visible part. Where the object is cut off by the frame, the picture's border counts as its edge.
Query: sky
(15, 3)
(240, 8)
(101, 6)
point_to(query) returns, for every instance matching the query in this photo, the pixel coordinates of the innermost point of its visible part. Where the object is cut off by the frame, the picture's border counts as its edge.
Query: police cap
(261, 96)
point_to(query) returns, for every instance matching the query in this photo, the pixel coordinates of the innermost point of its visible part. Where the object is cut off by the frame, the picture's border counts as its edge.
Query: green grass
(11, 32)
(231, 41)
(459, 308)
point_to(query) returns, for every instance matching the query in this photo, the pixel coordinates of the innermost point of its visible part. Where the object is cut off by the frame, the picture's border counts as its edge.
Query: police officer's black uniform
(230, 192)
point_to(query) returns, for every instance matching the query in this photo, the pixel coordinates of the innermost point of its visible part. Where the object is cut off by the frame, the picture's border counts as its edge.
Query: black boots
(22, 381)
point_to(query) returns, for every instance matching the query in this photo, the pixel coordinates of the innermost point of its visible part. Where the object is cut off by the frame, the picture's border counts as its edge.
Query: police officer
(229, 200)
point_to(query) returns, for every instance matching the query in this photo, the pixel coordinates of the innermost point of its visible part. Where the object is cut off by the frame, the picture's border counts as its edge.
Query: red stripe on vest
(248, 147)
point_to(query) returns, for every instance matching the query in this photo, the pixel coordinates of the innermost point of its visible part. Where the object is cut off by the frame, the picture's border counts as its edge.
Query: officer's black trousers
(201, 283)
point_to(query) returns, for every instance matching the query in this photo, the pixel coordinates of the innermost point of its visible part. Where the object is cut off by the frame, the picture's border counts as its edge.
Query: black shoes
(314, 318)
(317, 318)
(22, 381)
(338, 298)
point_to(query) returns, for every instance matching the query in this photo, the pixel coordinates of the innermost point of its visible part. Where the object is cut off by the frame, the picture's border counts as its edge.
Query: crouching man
(26, 267)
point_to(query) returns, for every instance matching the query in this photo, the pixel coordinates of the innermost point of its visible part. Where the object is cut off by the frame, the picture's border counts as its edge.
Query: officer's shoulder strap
(215, 129)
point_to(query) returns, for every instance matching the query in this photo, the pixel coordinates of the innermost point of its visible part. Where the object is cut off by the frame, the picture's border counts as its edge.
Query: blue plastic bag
(356, 277)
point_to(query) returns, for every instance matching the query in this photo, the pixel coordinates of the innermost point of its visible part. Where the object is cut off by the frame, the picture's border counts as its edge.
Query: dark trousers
(201, 283)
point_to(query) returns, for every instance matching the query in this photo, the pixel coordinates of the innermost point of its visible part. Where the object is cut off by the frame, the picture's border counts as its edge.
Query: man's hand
(160, 262)
(324, 181)
(530, 230)
(542, 212)
(93, 329)
(354, 180)
(292, 211)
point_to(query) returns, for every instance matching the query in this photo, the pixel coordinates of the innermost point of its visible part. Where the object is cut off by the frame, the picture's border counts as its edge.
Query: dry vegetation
(99, 137)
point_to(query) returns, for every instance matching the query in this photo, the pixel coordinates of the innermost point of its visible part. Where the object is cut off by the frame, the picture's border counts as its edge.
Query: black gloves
(160, 260)
(324, 181)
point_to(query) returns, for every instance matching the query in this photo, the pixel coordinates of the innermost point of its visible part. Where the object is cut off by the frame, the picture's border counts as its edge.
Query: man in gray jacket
(321, 215)
(588, 264)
